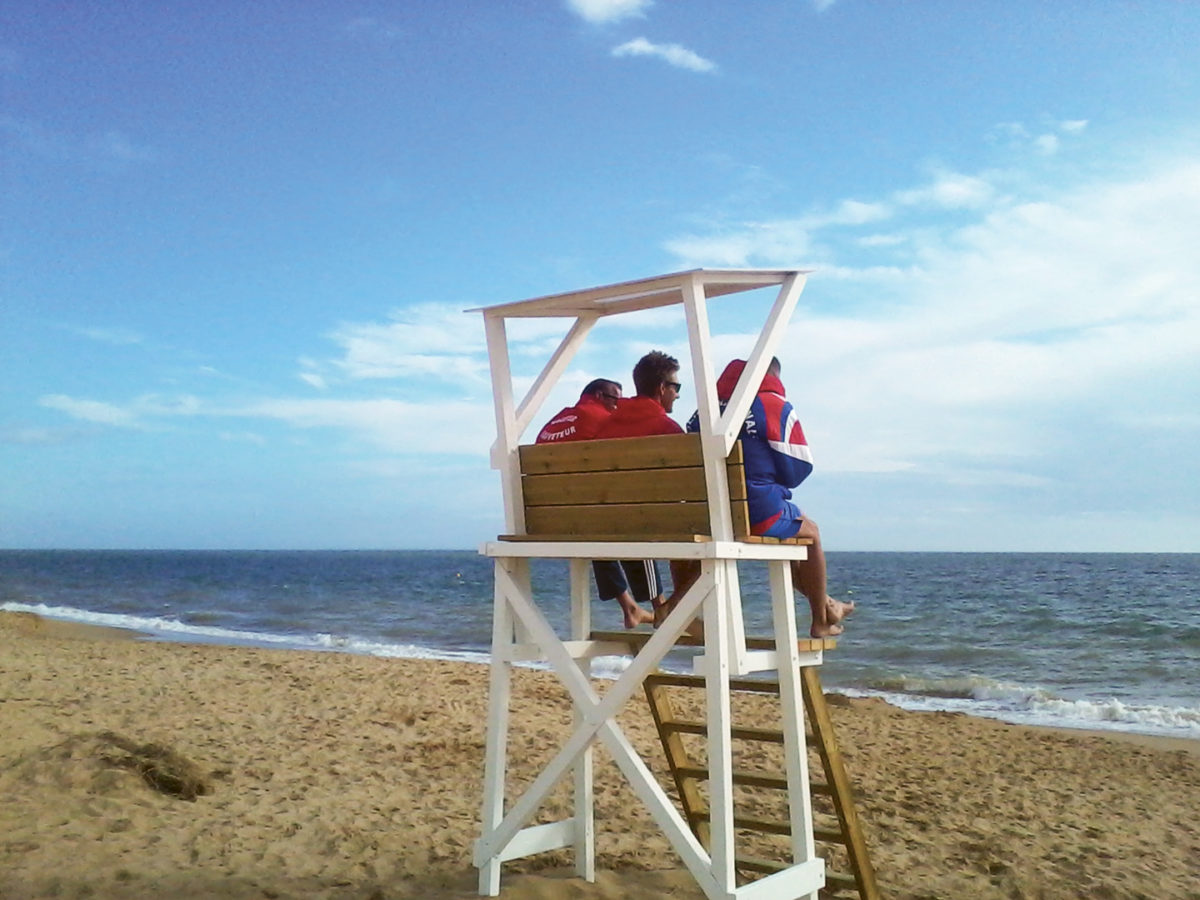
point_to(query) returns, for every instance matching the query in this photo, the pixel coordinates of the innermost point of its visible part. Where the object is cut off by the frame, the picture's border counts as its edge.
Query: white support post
(585, 814)
(504, 451)
(496, 748)
(720, 741)
(708, 409)
(791, 713)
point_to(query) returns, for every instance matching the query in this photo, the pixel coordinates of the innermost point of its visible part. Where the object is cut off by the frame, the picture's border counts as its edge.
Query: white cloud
(1047, 143)
(90, 410)
(601, 12)
(397, 426)
(1073, 126)
(949, 190)
(431, 340)
(117, 336)
(1017, 329)
(676, 55)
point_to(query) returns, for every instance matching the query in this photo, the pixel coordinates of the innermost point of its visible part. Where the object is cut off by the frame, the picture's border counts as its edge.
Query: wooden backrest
(649, 488)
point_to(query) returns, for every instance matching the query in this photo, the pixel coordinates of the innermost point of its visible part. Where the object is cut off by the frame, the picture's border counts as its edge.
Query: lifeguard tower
(680, 497)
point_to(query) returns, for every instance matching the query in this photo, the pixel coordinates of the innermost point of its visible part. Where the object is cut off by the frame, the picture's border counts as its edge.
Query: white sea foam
(1026, 705)
(168, 629)
(970, 694)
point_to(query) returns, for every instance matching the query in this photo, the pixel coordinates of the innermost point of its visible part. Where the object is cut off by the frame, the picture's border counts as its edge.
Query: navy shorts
(638, 576)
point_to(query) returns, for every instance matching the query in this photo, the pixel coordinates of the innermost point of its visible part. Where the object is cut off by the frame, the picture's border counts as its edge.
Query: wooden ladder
(688, 775)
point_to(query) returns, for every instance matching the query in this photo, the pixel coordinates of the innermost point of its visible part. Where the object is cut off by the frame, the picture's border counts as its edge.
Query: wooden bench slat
(664, 451)
(633, 486)
(648, 520)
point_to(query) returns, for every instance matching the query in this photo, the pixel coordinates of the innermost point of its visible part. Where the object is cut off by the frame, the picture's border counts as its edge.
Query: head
(603, 391)
(656, 375)
(774, 368)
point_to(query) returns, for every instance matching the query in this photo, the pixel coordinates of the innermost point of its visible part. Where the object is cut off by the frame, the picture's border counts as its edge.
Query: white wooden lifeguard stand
(521, 632)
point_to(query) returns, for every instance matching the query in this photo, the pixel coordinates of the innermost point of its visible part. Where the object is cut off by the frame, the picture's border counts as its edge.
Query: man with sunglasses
(656, 377)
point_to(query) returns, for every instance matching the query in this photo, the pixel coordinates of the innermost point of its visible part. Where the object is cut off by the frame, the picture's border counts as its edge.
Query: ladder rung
(840, 881)
(743, 733)
(750, 685)
(753, 779)
(829, 835)
(752, 864)
(770, 826)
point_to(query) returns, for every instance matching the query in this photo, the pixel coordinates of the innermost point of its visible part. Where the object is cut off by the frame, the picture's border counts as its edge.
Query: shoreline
(39, 623)
(335, 776)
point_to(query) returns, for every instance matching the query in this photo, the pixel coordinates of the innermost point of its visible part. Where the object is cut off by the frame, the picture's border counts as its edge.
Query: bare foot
(822, 631)
(635, 616)
(836, 610)
(662, 608)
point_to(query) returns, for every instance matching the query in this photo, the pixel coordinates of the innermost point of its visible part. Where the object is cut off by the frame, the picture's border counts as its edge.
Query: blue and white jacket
(776, 454)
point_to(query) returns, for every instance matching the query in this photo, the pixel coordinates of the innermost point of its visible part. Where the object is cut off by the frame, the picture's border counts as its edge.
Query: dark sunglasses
(613, 397)
(674, 384)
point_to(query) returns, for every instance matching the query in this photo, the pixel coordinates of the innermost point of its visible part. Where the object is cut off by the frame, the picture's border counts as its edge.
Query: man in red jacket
(581, 421)
(629, 582)
(656, 377)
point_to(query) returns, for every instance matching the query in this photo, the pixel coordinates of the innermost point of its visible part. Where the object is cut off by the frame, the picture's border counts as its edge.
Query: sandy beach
(335, 776)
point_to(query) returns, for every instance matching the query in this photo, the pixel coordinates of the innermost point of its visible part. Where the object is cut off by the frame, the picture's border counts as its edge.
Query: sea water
(1104, 641)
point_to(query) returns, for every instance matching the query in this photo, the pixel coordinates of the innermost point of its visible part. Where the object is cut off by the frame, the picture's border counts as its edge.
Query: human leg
(645, 583)
(809, 576)
(612, 584)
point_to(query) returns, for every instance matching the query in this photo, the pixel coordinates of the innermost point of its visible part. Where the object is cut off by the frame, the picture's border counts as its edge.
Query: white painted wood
(539, 839)
(584, 832)
(496, 745)
(720, 742)
(521, 632)
(504, 451)
(599, 716)
(803, 880)
(642, 550)
(553, 370)
(759, 359)
(791, 706)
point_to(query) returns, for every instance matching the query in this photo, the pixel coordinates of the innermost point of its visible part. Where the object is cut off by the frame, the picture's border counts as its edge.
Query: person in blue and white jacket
(777, 459)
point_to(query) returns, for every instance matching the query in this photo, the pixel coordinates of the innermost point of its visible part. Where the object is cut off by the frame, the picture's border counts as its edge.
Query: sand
(283, 774)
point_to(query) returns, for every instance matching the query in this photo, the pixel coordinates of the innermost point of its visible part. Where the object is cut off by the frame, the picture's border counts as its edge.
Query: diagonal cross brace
(598, 721)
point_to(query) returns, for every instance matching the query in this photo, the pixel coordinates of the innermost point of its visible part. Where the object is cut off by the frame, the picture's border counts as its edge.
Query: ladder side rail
(839, 784)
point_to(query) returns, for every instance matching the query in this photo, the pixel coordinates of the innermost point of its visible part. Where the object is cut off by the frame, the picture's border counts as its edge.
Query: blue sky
(237, 241)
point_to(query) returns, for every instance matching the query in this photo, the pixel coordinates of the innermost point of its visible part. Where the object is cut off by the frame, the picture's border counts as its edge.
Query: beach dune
(131, 769)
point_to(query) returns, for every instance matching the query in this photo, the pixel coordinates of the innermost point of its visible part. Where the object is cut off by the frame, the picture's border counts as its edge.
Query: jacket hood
(729, 379)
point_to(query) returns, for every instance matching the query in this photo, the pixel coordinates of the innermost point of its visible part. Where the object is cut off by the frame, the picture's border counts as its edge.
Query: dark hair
(774, 368)
(652, 370)
(597, 385)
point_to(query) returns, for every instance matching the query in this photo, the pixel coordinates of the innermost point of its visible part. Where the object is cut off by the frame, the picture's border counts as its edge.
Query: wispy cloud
(110, 146)
(674, 54)
(118, 337)
(93, 411)
(601, 12)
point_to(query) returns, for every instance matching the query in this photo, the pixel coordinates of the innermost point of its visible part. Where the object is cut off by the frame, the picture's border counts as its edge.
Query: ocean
(1100, 641)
